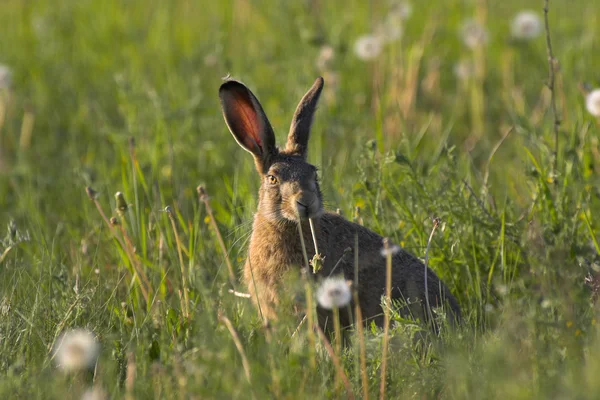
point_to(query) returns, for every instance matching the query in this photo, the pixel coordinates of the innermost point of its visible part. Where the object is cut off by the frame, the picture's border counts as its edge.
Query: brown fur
(290, 194)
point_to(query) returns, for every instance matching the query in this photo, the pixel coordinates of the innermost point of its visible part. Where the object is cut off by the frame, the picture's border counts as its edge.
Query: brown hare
(289, 194)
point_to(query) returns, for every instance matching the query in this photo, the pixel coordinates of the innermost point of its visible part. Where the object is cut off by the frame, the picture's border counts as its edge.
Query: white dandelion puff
(76, 350)
(334, 292)
(95, 393)
(211, 59)
(401, 11)
(5, 77)
(464, 70)
(592, 102)
(473, 34)
(326, 56)
(526, 25)
(389, 31)
(368, 47)
(391, 250)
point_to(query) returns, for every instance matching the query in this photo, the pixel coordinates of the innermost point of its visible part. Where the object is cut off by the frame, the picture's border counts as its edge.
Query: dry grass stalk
(203, 196)
(184, 287)
(238, 344)
(336, 362)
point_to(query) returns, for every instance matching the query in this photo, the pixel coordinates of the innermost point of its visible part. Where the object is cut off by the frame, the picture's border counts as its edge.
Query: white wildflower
(526, 25)
(368, 47)
(592, 102)
(334, 292)
(464, 70)
(76, 350)
(391, 250)
(326, 56)
(5, 77)
(473, 34)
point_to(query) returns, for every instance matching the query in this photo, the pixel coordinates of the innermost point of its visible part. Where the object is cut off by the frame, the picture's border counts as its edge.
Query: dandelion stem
(338, 331)
(386, 316)
(552, 62)
(361, 347)
(436, 222)
(303, 245)
(309, 300)
(314, 235)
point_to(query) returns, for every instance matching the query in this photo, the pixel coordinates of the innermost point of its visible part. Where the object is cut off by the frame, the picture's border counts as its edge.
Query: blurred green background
(427, 127)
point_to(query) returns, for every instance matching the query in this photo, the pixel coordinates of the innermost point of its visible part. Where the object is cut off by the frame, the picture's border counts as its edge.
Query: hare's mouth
(305, 211)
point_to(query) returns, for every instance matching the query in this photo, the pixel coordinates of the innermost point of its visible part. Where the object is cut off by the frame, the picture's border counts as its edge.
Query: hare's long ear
(297, 142)
(248, 123)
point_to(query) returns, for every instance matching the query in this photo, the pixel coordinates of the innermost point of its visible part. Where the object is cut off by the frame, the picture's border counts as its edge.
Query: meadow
(443, 112)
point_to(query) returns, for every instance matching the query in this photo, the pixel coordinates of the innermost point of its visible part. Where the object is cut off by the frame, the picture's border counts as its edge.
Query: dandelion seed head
(464, 70)
(473, 34)
(211, 59)
(5, 77)
(95, 393)
(76, 350)
(390, 251)
(546, 303)
(334, 292)
(368, 47)
(389, 31)
(526, 25)
(592, 102)
(326, 56)
(401, 11)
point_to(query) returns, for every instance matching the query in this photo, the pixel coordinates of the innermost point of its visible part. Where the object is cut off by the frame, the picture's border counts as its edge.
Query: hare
(289, 195)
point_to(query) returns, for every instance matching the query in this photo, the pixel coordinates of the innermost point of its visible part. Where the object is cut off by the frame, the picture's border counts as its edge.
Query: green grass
(399, 136)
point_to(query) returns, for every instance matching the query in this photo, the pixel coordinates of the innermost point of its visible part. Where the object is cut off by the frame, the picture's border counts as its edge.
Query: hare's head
(289, 190)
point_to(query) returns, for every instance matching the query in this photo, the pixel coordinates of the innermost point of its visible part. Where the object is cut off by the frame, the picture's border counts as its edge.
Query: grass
(400, 136)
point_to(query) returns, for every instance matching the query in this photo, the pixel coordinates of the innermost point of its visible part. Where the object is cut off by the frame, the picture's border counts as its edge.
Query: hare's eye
(272, 179)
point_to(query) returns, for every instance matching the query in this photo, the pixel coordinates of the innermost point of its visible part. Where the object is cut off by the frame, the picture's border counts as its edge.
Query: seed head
(526, 25)
(473, 34)
(76, 350)
(464, 70)
(389, 31)
(389, 250)
(92, 194)
(202, 194)
(368, 47)
(334, 292)
(592, 102)
(121, 203)
(5, 77)
(401, 11)
(326, 56)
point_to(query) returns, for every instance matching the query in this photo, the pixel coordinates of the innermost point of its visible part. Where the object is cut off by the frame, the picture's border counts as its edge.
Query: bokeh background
(431, 109)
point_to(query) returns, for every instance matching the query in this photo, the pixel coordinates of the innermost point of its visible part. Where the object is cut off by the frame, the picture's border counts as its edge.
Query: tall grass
(399, 136)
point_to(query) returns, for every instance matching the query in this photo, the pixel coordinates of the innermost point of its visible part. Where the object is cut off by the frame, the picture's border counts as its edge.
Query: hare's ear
(247, 122)
(297, 142)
